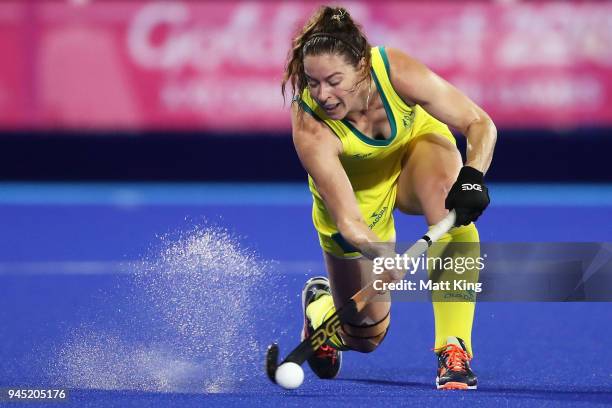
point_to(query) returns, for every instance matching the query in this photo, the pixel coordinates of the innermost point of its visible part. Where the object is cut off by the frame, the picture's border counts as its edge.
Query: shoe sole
(454, 385)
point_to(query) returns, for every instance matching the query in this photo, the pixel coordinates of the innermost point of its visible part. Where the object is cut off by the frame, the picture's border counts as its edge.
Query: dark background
(578, 155)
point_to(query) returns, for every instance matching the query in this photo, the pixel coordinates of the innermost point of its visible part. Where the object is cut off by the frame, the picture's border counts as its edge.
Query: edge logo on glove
(468, 196)
(469, 187)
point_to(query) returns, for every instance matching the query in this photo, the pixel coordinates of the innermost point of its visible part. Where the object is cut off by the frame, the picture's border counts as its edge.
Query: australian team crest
(408, 119)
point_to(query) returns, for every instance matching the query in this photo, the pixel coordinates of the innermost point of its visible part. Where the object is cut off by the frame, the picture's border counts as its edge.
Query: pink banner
(14, 87)
(217, 65)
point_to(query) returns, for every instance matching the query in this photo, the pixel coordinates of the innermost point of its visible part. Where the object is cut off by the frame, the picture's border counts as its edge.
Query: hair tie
(339, 16)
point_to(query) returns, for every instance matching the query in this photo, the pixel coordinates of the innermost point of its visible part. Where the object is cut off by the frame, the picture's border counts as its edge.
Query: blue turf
(63, 251)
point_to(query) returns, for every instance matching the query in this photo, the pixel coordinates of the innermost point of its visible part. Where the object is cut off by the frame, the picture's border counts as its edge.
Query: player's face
(332, 82)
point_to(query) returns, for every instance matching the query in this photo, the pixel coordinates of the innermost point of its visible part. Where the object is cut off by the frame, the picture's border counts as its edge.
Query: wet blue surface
(63, 265)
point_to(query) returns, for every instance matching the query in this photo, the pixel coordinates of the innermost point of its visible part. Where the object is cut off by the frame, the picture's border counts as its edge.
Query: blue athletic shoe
(454, 371)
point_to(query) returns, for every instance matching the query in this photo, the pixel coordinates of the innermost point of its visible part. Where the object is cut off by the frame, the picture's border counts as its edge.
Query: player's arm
(319, 149)
(415, 83)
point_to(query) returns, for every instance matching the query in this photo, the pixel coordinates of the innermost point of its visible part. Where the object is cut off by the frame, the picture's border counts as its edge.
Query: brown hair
(329, 30)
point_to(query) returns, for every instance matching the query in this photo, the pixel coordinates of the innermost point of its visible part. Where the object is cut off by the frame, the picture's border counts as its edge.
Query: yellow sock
(454, 315)
(318, 311)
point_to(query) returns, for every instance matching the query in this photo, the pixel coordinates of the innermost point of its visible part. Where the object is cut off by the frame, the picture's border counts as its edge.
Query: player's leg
(366, 330)
(361, 332)
(429, 169)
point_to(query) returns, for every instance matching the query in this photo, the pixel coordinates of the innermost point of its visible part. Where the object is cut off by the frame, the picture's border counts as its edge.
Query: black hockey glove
(468, 196)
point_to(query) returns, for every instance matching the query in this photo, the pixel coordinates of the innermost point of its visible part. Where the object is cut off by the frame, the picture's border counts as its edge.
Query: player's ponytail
(330, 30)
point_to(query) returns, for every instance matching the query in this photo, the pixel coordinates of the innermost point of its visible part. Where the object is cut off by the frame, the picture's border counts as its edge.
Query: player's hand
(391, 275)
(396, 274)
(468, 196)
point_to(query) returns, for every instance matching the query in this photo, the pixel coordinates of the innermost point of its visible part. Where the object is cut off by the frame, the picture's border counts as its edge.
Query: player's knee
(365, 338)
(432, 196)
(365, 345)
(442, 183)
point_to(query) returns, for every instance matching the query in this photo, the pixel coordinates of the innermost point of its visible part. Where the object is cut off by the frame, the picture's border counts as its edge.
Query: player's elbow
(490, 132)
(483, 122)
(488, 122)
(483, 126)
